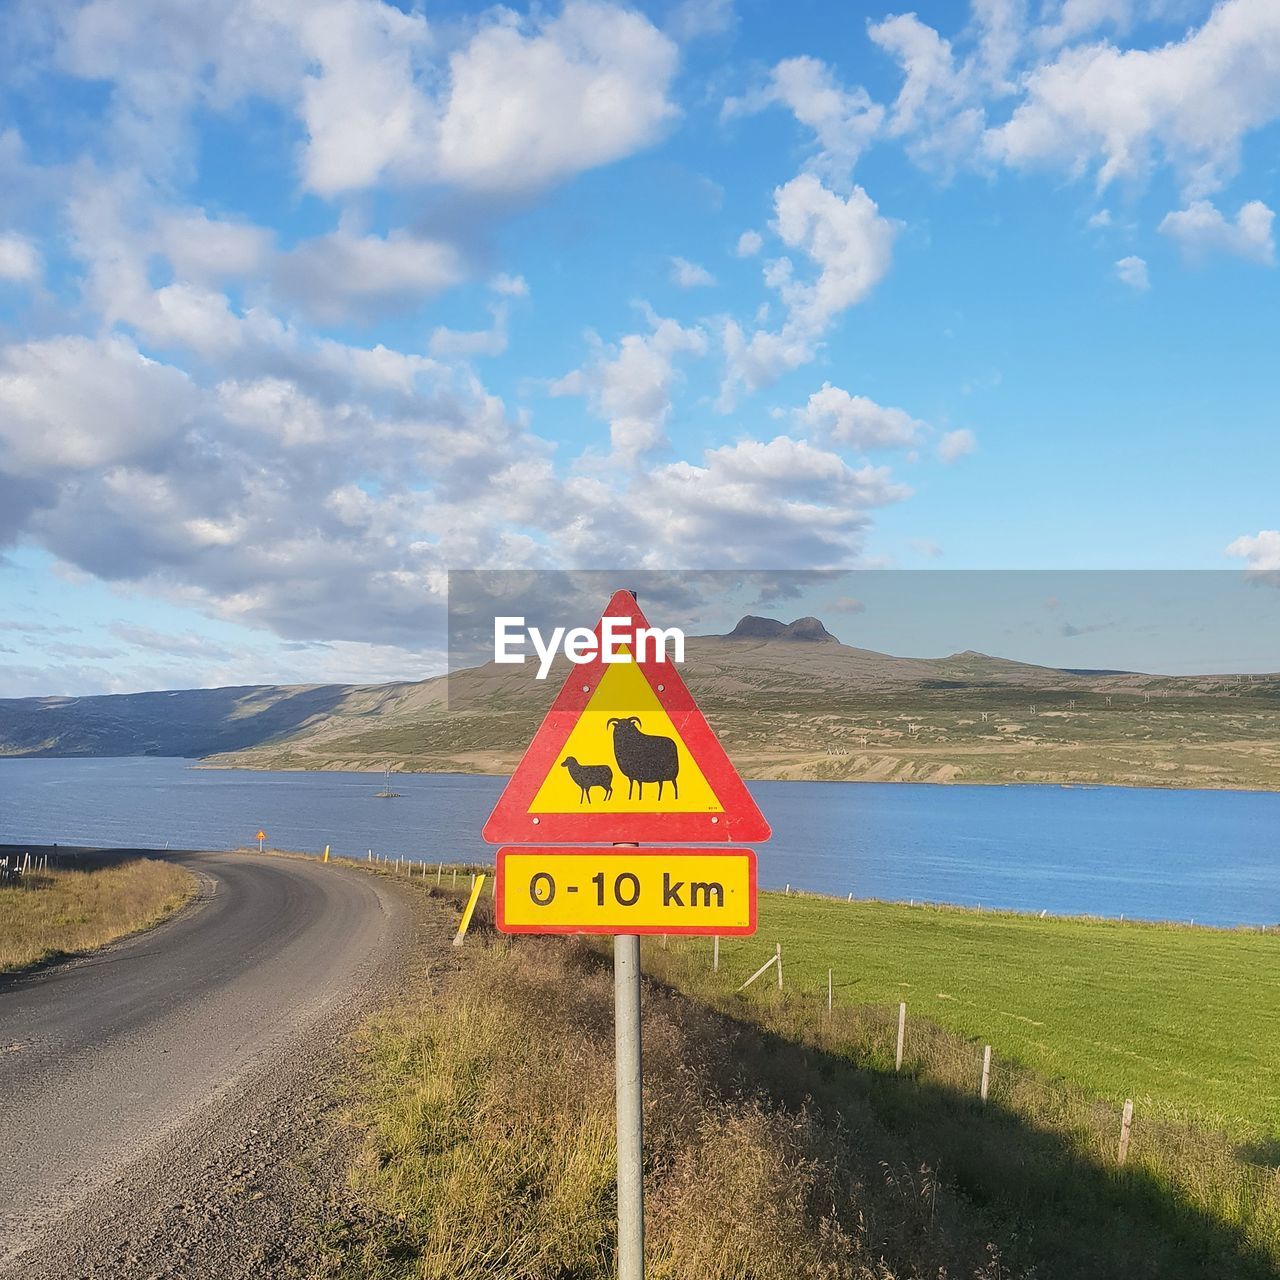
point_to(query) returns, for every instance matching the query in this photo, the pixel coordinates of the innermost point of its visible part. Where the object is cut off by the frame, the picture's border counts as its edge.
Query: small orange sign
(262, 835)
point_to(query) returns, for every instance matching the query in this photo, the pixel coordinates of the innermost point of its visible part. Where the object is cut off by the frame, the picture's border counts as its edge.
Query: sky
(303, 306)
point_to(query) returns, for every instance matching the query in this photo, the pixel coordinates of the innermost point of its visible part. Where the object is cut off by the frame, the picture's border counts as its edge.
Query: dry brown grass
(62, 912)
(490, 1147)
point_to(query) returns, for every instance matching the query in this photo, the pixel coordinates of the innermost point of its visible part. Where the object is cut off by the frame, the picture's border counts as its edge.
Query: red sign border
(691, 931)
(511, 820)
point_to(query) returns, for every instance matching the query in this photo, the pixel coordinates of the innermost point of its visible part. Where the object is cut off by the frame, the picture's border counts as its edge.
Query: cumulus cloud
(1190, 102)
(630, 385)
(383, 96)
(1200, 229)
(1260, 550)
(1132, 271)
(19, 259)
(79, 405)
(843, 121)
(778, 502)
(689, 275)
(510, 286)
(848, 241)
(331, 276)
(470, 343)
(856, 421)
(527, 107)
(936, 110)
(749, 244)
(957, 444)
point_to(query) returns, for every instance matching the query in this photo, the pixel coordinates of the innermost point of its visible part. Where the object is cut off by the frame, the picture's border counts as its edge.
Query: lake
(1211, 856)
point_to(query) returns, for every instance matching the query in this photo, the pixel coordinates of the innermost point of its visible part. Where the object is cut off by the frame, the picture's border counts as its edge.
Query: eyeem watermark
(617, 643)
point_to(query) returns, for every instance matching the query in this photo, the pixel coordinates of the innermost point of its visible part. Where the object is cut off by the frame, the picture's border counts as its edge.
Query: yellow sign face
(591, 767)
(586, 890)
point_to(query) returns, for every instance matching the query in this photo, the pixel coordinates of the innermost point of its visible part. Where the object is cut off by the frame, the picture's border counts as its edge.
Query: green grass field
(1186, 1021)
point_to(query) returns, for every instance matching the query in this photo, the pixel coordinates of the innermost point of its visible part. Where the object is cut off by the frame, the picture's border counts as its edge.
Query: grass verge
(777, 1144)
(64, 912)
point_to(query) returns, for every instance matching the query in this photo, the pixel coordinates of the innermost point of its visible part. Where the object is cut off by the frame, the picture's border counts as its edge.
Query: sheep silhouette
(644, 757)
(588, 776)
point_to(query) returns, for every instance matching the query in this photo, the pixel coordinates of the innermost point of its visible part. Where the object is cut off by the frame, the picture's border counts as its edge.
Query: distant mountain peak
(752, 627)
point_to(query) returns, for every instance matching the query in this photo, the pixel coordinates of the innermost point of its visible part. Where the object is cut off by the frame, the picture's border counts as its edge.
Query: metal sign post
(626, 1038)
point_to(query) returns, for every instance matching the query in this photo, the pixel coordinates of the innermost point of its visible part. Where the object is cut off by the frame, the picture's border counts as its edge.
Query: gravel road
(167, 1104)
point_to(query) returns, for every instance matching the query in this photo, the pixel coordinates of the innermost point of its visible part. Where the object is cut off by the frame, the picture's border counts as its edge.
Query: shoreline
(211, 763)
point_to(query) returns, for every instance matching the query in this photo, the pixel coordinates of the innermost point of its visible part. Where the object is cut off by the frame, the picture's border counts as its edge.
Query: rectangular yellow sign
(622, 890)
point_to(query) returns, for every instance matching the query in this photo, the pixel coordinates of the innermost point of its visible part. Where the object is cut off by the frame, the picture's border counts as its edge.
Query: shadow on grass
(1050, 1208)
(1264, 1152)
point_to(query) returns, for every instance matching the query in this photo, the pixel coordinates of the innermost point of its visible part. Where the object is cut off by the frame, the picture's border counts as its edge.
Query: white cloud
(510, 286)
(1261, 550)
(1190, 102)
(466, 344)
(630, 385)
(776, 502)
(332, 276)
(957, 444)
(522, 110)
(208, 250)
(849, 242)
(691, 19)
(689, 275)
(749, 244)
(382, 95)
(1076, 18)
(847, 239)
(75, 404)
(843, 120)
(935, 108)
(1200, 229)
(857, 422)
(1133, 272)
(19, 259)
(1100, 220)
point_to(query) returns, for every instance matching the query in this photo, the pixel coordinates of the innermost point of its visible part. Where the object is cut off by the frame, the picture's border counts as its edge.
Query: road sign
(557, 889)
(624, 754)
(262, 835)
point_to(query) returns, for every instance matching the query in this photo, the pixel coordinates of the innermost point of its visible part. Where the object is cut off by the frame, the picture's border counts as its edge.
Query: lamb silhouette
(588, 776)
(644, 757)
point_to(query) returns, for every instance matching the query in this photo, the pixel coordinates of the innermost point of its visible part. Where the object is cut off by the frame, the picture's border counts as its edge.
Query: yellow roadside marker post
(470, 911)
(326, 853)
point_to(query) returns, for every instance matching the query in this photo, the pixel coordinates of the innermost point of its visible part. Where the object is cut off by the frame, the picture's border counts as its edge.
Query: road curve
(105, 1058)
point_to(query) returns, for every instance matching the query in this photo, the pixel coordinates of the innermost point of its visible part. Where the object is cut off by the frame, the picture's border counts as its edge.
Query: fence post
(439, 873)
(828, 995)
(715, 954)
(902, 1034)
(778, 956)
(986, 1071)
(1126, 1124)
(455, 877)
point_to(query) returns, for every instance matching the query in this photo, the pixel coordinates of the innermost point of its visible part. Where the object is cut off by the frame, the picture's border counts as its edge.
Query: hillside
(789, 700)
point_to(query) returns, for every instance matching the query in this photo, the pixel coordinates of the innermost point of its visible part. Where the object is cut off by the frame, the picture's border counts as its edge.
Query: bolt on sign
(624, 754)
(620, 890)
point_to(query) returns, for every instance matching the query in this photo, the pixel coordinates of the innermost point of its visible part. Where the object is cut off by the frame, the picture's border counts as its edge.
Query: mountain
(789, 700)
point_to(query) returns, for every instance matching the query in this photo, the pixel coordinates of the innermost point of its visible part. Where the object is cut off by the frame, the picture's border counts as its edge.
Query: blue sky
(302, 306)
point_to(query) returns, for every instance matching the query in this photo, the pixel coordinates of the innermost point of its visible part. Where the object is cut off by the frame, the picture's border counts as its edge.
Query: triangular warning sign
(623, 755)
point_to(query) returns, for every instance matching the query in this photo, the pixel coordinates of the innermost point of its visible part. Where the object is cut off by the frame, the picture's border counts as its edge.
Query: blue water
(1211, 856)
